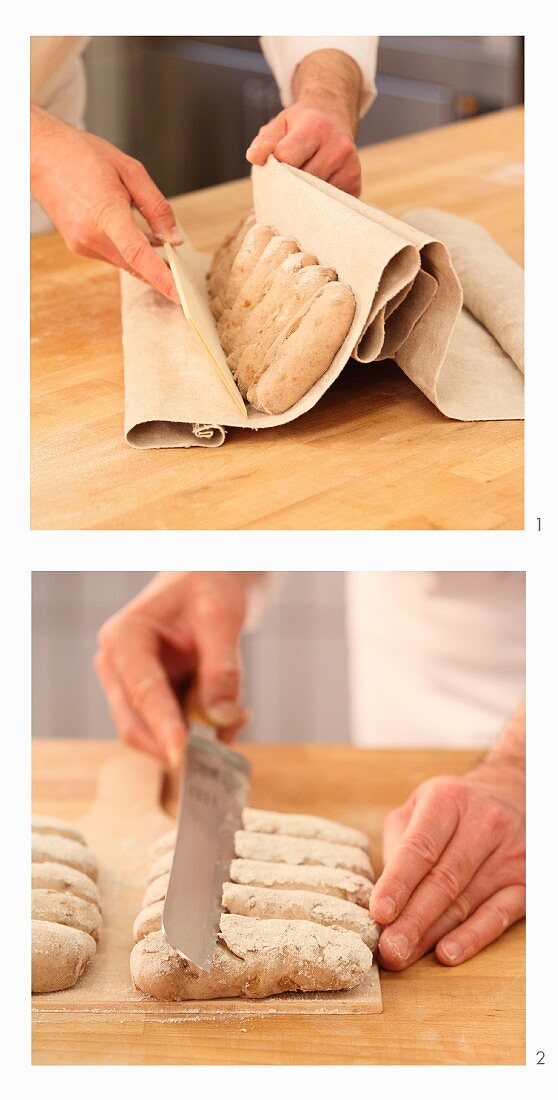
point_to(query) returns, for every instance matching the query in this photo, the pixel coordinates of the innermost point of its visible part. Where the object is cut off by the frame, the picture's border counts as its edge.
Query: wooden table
(373, 454)
(473, 1014)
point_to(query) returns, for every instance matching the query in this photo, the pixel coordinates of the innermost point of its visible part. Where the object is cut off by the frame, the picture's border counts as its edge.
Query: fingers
(130, 727)
(485, 925)
(149, 201)
(219, 672)
(266, 139)
(133, 656)
(301, 142)
(470, 847)
(136, 252)
(433, 822)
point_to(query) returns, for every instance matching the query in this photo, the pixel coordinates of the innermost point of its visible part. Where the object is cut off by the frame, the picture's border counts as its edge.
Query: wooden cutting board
(124, 819)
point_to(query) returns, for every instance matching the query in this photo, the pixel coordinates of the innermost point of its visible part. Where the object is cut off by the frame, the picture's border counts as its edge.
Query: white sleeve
(283, 54)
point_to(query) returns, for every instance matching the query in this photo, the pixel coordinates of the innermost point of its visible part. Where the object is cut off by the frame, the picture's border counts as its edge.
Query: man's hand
(454, 875)
(183, 626)
(318, 132)
(88, 188)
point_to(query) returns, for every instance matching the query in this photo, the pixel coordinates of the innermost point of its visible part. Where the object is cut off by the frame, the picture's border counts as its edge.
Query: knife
(214, 791)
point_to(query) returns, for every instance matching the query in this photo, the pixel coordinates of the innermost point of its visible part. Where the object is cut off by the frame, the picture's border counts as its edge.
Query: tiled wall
(296, 682)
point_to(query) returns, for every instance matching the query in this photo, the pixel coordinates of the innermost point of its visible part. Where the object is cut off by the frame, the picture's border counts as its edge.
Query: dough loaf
(66, 909)
(40, 823)
(46, 847)
(59, 955)
(255, 959)
(296, 850)
(301, 825)
(66, 880)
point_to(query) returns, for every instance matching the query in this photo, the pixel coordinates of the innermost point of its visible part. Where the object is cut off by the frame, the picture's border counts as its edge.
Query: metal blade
(215, 783)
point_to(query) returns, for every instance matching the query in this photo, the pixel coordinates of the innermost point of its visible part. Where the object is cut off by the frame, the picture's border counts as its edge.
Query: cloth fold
(409, 299)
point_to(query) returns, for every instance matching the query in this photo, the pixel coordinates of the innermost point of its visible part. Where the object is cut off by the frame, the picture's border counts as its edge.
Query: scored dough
(301, 825)
(324, 880)
(256, 901)
(254, 959)
(41, 823)
(296, 850)
(66, 909)
(59, 955)
(47, 847)
(64, 879)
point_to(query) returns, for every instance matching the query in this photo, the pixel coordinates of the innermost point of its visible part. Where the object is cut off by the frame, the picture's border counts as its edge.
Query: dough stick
(302, 825)
(58, 849)
(149, 919)
(293, 850)
(156, 891)
(300, 357)
(323, 880)
(254, 289)
(59, 955)
(223, 259)
(164, 843)
(246, 259)
(257, 901)
(65, 880)
(66, 909)
(253, 360)
(254, 959)
(40, 823)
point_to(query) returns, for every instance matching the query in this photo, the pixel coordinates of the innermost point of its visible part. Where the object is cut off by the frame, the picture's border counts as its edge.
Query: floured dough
(66, 909)
(301, 825)
(59, 849)
(149, 919)
(156, 890)
(66, 880)
(256, 901)
(325, 880)
(254, 959)
(59, 955)
(163, 844)
(40, 823)
(65, 905)
(279, 324)
(296, 850)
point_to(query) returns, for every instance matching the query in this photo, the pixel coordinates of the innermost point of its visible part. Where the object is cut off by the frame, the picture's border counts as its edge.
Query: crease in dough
(46, 847)
(295, 850)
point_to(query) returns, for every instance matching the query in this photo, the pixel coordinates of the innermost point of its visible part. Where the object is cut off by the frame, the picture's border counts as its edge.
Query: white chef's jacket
(58, 78)
(434, 659)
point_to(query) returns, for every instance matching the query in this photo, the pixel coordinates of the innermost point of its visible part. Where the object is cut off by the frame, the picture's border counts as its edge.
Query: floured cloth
(468, 361)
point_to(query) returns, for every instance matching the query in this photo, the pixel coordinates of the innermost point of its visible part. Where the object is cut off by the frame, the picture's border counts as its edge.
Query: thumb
(151, 204)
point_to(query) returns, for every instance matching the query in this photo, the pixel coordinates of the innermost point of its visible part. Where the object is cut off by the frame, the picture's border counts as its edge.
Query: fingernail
(385, 909)
(452, 951)
(399, 945)
(171, 236)
(222, 713)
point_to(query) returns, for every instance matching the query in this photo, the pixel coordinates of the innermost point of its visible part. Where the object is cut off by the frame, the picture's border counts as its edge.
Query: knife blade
(214, 791)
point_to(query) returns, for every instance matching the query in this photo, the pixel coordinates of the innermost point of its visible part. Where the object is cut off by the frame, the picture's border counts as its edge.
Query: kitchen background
(189, 107)
(296, 678)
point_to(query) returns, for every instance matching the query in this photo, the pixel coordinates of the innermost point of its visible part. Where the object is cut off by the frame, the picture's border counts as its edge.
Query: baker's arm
(326, 85)
(454, 854)
(181, 627)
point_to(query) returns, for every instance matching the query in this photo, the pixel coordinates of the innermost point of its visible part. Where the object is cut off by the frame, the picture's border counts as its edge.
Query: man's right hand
(88, 188)
(183, 626)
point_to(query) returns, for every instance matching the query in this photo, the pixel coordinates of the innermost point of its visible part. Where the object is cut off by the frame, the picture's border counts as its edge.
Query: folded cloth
(408, 308)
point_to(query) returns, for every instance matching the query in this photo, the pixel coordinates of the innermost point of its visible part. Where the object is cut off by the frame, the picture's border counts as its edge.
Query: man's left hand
(318, 141)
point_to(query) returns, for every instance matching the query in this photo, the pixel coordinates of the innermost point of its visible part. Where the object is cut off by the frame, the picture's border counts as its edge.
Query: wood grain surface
(373, 454)
(473, 1014)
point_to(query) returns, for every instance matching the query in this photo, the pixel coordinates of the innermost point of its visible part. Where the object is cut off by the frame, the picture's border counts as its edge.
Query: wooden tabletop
(470, 1015)
(373, 454)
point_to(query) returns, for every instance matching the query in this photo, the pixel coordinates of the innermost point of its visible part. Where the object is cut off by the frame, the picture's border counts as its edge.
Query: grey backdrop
(296, 681)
